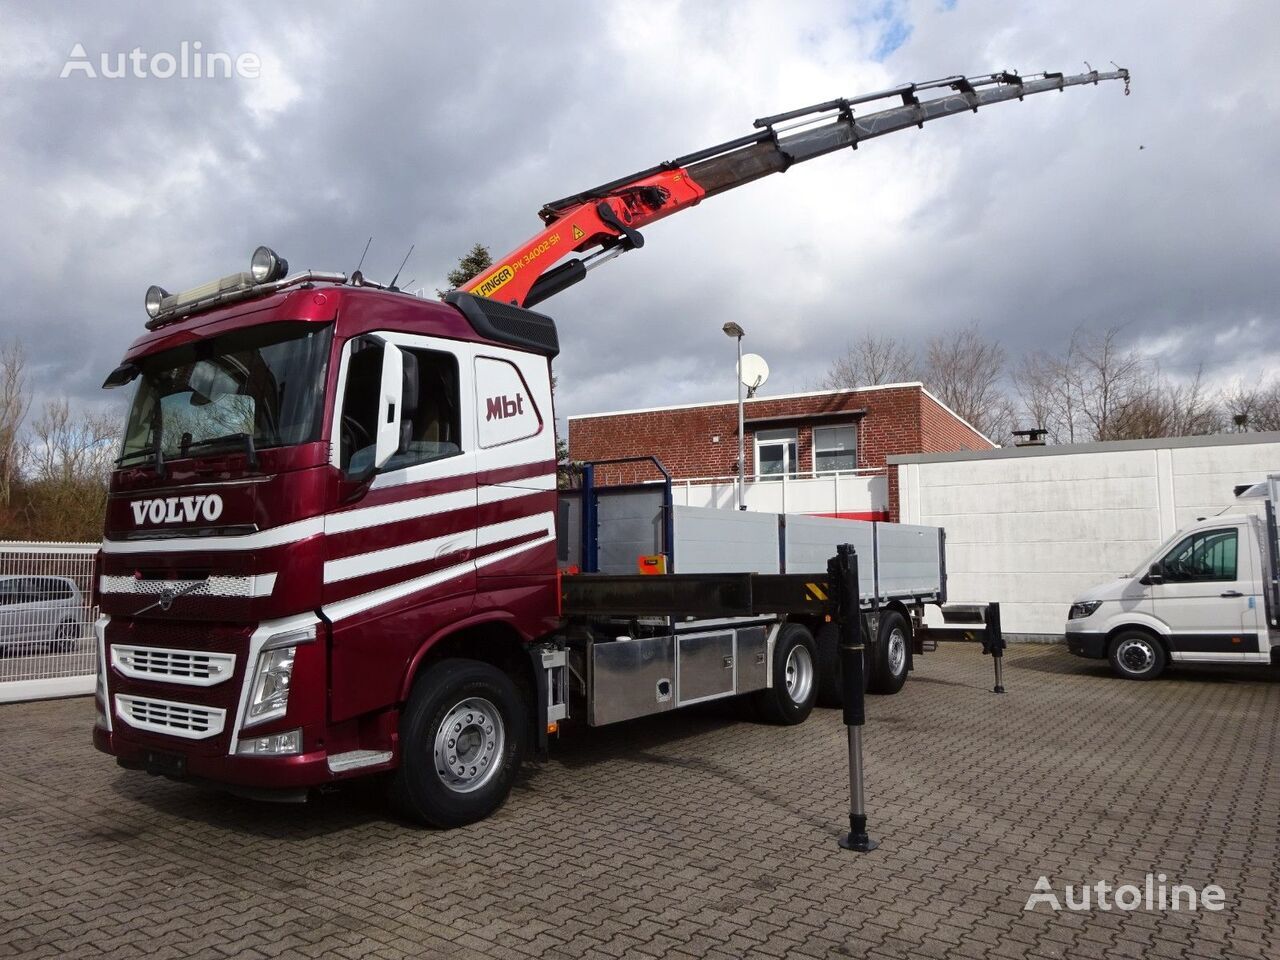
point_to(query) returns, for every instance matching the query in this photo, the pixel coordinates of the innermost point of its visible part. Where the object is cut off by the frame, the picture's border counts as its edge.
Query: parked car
(40, 612)
(1210, 594)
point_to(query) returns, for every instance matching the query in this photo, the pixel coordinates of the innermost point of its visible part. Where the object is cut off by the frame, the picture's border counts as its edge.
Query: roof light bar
(267, 273)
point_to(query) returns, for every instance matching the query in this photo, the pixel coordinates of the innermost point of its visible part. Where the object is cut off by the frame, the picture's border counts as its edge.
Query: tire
(795, 678)
(830, 673)
(488, 717)
(65, 637)
(1136, 655)
(889, 662)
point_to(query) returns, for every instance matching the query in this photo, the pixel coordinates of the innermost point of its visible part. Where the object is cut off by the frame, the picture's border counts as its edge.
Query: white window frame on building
(789, 440)
(841, 448)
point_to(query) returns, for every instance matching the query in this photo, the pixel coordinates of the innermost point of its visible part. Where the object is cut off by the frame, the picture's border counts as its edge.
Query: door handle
(1232, 593)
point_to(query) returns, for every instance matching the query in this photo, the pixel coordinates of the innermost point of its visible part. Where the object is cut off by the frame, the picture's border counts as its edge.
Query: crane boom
(606, 220)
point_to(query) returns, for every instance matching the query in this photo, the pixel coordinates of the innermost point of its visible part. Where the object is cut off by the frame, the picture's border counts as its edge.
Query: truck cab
(1207, 595)
(318, 481)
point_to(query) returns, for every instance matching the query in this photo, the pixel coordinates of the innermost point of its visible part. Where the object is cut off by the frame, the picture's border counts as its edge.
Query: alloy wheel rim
(799, 673)
(469, 744)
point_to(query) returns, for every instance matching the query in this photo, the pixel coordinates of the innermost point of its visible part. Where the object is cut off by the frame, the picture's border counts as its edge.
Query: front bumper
(1088, 644)
(268, 773)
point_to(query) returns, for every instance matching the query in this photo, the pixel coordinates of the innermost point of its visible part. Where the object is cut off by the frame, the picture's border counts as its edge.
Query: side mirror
(390, 397)
(1155, 573)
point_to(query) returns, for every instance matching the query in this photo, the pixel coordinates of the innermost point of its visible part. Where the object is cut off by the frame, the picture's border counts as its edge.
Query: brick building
(800, 437)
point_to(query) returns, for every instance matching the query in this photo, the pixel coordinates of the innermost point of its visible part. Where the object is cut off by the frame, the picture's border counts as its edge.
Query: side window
(835, 448)
(430, 421)
(1207, 555)
(9, 592)
(776, 454)
(358, 428)
(504, 405)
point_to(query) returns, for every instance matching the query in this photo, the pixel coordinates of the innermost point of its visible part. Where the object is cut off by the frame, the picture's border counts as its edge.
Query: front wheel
(1135, 655)
(462, 738)
(795, 671)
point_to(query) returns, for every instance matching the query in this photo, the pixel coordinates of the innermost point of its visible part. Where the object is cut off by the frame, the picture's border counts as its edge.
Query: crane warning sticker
(494, 282)
(577, 232)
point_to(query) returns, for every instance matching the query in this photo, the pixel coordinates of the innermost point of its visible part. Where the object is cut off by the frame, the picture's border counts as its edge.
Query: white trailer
(1209, 594)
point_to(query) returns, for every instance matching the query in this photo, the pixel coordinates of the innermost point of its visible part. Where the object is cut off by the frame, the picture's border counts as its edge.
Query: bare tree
(872, 360)
(14, 403)
(965, 371)
(1112, 378)
(1161, 408)
(1049, 387)
(70, 460)
(1252, 406)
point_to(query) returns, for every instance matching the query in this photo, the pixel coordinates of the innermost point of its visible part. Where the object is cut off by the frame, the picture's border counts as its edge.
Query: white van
(1208, 595)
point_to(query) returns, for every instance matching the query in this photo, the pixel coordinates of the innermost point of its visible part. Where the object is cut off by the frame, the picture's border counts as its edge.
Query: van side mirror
(1155, 573)
(390, 397)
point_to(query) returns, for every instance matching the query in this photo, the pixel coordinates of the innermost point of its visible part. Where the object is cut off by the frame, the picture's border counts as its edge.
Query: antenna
(392, 284)
(366, 250)
(754, 372)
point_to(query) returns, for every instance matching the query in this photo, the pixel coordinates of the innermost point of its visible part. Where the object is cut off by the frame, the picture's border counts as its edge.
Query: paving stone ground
(702, 835)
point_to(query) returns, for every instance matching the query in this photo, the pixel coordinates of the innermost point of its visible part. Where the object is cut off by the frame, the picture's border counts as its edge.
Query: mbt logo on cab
(499, 408)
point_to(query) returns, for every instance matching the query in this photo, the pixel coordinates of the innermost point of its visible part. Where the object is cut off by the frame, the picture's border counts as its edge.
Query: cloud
(441, 126)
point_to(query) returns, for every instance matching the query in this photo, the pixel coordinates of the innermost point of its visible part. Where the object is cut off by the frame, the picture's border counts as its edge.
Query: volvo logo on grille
(169, 593)
(207, 507)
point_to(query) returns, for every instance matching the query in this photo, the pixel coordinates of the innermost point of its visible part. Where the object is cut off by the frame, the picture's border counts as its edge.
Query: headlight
(269, 695)
(1079, 611)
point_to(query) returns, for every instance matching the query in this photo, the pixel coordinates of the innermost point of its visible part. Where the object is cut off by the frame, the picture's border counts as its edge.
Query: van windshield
(264, 383)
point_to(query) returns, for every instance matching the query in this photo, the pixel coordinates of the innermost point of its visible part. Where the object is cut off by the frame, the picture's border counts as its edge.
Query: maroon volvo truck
(334, 542)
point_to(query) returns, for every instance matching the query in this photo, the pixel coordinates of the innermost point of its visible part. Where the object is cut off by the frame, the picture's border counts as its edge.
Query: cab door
(399, 546)
(1207, 592)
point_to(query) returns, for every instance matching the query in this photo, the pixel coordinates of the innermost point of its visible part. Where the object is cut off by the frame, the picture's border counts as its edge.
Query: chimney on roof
(1030, 438)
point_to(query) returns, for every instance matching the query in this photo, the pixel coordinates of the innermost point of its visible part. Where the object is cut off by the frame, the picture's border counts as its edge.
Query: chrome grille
(194, 667)
(175, 719)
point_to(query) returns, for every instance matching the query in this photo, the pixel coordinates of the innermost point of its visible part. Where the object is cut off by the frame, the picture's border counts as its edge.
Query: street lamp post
(732, 329)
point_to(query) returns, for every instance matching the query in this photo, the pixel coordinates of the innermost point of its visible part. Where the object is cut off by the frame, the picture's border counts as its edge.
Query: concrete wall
(1032, 527)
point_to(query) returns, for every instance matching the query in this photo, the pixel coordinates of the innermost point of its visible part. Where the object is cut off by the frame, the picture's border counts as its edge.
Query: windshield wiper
(245, 438)
(156, 452)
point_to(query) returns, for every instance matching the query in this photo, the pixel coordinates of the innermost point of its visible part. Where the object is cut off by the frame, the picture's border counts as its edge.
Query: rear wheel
(462, 738)
(65, 637)
(889, 663)
(1136, 655)
(795, 677)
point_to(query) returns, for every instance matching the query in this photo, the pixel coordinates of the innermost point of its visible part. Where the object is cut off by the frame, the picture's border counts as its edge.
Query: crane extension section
(606, 220)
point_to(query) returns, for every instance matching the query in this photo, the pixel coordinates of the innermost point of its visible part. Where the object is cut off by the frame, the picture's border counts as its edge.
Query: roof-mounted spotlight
(266, 266)
(155, 300)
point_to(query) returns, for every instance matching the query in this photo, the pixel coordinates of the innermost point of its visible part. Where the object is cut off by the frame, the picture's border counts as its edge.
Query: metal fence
(47, 646)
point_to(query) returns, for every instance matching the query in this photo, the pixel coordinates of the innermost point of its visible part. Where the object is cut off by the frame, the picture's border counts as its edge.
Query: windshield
(264, 383)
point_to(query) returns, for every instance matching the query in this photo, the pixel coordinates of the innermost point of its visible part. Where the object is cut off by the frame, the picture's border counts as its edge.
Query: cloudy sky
(445, 124)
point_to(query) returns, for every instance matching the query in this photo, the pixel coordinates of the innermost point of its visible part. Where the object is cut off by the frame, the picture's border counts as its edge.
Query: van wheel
(830, 673)
(889, 664)
(795, 678)
(462, 737)
(1136, 655)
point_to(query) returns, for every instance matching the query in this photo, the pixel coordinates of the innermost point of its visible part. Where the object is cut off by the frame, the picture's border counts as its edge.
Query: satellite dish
(754, 372)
